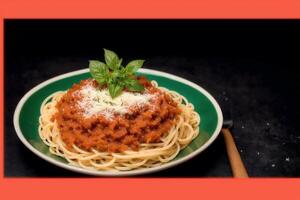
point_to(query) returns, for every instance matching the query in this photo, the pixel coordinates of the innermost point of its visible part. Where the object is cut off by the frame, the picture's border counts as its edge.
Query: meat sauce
(146, 124)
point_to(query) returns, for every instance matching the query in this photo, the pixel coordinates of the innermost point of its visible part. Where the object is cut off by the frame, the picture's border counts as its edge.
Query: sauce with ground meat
(146, 124)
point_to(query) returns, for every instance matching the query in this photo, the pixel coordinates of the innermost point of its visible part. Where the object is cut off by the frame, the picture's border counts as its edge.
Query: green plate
(28, 111)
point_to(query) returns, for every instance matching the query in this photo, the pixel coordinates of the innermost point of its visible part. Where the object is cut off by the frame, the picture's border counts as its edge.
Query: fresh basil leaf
(122, 76)
(134, 65)
(110, 80)
(114, 65)
(114, 75)
(120, 63)
(123, 71)
(129, 81)
(135, 86)
(97, 67)
(98, 70)
(115, 90)
(101, 79)
(111, 58)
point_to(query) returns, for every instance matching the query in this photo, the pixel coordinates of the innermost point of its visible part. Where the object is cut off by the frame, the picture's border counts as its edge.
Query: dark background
(252, 64)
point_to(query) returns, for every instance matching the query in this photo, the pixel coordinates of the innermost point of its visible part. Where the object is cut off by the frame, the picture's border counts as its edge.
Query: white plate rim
(122, 173)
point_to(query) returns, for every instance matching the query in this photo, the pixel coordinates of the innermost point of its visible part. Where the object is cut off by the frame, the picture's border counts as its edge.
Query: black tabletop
(260, 83)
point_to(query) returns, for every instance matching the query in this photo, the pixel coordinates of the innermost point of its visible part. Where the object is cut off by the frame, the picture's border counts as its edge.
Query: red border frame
(142, 188)
(150, 8)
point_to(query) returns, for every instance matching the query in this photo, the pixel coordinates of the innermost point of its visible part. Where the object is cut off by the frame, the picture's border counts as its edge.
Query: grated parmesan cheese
(95, 101)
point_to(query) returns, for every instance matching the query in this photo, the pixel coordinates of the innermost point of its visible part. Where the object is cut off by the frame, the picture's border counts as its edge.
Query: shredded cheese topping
(95, 101)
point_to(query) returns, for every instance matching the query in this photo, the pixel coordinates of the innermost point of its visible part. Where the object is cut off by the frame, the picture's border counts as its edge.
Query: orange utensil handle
(237, 165)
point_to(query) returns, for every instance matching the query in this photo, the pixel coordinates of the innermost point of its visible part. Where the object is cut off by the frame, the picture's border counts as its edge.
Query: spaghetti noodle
(148, 155)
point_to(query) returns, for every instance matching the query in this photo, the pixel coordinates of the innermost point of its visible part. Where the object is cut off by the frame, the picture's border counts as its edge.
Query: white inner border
(125, 173)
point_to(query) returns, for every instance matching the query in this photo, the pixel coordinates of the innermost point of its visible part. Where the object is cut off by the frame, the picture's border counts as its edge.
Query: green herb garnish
(114, 75)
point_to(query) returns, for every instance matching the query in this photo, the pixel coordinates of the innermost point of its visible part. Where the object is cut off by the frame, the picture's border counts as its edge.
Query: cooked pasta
(145, 153)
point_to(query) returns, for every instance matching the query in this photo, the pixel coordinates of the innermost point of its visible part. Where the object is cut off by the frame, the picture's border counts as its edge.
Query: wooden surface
(237, 165)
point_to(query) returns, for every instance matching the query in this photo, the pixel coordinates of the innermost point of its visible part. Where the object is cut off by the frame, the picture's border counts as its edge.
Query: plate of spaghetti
(115, 120)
